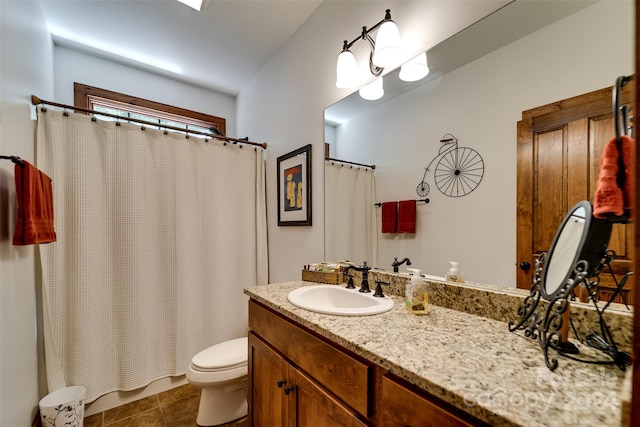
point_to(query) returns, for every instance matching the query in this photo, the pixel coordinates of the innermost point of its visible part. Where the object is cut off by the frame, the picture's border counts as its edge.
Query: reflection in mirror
(527, 54)
(349, 212)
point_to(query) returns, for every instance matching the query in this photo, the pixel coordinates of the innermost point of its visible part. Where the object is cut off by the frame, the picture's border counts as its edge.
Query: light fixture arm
(365, 32)
(375, 70)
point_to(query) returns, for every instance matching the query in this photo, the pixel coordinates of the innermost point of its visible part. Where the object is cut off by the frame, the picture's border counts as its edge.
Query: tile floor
(177, 407)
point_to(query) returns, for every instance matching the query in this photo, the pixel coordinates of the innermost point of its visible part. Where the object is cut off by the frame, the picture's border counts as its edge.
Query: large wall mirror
(527, 54)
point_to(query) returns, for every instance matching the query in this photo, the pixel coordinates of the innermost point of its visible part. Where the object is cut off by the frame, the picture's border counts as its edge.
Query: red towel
(35, 206)
(407, 216)
(389, 217)
(613, 198)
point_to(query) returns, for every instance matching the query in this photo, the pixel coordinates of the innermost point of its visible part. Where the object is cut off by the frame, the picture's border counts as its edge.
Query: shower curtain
(350, 219)
(157, 236)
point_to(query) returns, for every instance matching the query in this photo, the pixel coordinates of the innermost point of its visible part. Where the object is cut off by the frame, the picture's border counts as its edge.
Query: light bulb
(414, 69)
(346, 70)
(373, 90)
(388, 51)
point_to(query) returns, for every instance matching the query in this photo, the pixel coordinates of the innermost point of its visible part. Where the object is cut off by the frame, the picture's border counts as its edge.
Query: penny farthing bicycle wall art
(458, 170)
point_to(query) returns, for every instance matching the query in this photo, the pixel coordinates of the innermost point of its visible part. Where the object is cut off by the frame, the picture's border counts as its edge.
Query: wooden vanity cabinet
(401, 405)
(297, 378)
(281, 395)
(268, 375)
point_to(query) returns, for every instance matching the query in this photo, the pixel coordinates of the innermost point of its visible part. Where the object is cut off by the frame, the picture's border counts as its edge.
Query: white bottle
(416, 296)
(454, 273)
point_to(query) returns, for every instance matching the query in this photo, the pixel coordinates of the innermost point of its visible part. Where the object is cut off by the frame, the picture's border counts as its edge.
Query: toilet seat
(225, 356)
(221, 371)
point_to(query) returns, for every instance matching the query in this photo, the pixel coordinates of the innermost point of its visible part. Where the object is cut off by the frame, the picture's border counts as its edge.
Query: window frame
(84, 96)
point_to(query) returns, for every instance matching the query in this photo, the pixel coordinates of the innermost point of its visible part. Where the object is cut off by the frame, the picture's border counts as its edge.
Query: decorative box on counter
(324, 273)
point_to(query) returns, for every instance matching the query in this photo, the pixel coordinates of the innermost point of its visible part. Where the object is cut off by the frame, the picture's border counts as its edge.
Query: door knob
(524, 265)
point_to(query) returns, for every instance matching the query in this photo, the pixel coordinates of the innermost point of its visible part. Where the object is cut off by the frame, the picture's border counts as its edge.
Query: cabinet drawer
(401, 406)
(344, 376)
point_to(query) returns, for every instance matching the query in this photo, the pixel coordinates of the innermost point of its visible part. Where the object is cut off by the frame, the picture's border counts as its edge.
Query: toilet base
(222, 404)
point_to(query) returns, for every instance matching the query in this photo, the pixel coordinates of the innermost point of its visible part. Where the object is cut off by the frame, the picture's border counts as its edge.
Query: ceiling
(221, 48)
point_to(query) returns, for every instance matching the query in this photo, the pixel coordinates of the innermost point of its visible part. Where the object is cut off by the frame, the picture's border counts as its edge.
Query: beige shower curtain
(350, 219)
(157, 236)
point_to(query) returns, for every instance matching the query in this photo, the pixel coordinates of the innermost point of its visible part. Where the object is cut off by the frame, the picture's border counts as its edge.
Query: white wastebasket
(63, 407)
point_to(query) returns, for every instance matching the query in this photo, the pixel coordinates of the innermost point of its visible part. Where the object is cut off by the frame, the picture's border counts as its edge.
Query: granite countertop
(470, 361)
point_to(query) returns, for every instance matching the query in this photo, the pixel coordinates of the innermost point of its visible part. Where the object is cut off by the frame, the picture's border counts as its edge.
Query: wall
(480, 104)
(284, 104)
(25, 68)
(74, 66)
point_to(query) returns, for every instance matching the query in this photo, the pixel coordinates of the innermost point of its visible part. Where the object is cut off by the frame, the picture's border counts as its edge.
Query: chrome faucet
(364, 287)
(395, 264)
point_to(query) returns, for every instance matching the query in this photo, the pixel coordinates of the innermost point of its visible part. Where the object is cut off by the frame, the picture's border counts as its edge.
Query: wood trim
(524, 209)
(635, 395)
(590, 104)
(82, 93)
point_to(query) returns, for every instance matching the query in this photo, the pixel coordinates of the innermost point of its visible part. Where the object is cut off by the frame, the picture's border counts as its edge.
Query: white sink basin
(338, 300)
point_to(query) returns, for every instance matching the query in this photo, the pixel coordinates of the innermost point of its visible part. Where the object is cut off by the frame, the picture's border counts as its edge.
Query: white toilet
(221, 371)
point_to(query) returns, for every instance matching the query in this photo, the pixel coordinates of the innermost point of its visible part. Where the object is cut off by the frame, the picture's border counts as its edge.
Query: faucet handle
(379, 284)
(350, 284)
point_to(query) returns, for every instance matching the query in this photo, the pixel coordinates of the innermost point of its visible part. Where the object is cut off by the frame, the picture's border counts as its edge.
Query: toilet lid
(226, 355)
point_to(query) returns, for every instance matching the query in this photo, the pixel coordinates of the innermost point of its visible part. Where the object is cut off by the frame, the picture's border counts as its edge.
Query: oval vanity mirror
(579, 237)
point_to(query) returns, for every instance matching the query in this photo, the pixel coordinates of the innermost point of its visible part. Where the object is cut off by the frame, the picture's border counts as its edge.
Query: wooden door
(315, 407)
(267, 370)
(559, 150)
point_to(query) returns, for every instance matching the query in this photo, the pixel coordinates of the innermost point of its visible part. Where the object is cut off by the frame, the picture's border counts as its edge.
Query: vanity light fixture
(385, 51)
(415, 69)
(373, 90)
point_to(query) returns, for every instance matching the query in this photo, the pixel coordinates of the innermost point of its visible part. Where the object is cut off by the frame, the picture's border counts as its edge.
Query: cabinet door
(267, 370)
(314, 407)
(401, 407)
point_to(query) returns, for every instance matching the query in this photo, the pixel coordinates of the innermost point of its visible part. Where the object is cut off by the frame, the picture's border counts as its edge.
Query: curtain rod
(37, 101)
(351, 163)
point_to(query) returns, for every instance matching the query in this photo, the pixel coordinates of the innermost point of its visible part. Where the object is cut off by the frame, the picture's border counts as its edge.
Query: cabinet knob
(288, 390)
(524, 265)
(281, 383)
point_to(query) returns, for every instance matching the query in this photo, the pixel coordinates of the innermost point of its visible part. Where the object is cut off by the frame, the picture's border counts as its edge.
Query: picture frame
(294, 187)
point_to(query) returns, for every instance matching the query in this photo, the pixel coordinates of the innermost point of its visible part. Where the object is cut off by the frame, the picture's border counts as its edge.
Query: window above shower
(132, 108)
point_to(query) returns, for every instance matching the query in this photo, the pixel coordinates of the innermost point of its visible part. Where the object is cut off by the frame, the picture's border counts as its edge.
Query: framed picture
(294, 187)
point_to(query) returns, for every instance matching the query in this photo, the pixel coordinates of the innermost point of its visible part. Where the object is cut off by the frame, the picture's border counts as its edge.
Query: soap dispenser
(416, 296)
(453, 275)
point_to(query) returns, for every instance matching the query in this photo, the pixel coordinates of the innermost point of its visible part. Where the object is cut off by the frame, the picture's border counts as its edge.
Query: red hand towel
(389, 217)
(35, 206)
(407, 216)
(614, 199)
